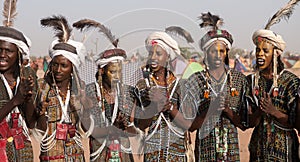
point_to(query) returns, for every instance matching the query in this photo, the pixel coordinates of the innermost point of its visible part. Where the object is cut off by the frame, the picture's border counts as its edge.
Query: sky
(132, 20)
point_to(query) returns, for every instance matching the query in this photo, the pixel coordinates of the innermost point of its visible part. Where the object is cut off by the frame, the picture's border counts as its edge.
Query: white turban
(76, 59)
(165, 41)
(110, 55)
(16, 37)
(212, 36)
(274, 38)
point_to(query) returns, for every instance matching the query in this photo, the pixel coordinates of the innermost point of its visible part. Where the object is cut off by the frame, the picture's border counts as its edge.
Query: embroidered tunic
(270, 141)
(71, 148)
(99, 147)
(25, 154)
(217, 139)
(164, 141)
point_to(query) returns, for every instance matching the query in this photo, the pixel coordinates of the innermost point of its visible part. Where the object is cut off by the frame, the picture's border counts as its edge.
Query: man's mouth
(218, 61)
(260, 61)
(154, 64)
(3, 62)
(57, 76)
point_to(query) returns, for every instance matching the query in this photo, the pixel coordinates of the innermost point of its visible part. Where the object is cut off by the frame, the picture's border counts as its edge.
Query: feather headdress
(210, 21)
(181, 32)
(284, 13)
(60, 25)
(213, 23)
(9, 12)
(87, 23)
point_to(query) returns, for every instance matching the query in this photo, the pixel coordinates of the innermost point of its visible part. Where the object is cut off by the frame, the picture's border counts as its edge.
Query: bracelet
(130, 124)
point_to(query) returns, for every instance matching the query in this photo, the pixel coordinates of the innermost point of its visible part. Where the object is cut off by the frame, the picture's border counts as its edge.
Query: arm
(198, 121)
(234, 117)
(177, 116)
(22, 99)
(255, 117)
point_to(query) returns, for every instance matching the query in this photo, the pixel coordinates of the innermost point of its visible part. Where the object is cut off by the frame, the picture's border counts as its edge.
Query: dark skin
(216, 61)
(264, 55)
(8, 67)
(159, 98)
(62, 70)
(111, 73)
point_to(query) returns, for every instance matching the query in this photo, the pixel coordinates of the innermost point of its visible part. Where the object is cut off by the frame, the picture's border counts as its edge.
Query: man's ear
(101, 71)
(277, 51)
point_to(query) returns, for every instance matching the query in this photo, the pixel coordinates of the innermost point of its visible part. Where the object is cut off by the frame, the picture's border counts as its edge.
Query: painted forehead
(259, 40)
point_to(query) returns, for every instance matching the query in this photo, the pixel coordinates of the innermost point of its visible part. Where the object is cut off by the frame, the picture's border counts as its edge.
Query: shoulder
(289, 78)
(197, 76)
(290, 75)
(239, 74)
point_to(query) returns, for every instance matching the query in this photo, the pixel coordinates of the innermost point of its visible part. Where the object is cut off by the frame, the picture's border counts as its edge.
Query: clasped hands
(159, 100)
(266, 105)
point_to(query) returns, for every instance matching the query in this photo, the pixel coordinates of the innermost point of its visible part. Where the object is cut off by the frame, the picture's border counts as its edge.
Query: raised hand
(266, 104)
(25, 90)
(159, 97)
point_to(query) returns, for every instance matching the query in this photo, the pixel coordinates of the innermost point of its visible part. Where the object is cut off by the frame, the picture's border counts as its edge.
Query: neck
(267, 72)
(217, 73)
(160, 74)
(63, 85)
(106, 86)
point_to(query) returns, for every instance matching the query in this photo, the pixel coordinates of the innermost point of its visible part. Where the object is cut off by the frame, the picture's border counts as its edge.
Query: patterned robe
(100, 121)
(217, 139)
(13, 154)
(270, 141)
(164, 141)
(62, 150)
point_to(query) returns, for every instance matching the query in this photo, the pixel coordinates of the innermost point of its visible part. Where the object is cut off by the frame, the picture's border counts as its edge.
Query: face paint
(113, 73)
(264, 54)
(157, 57)
(216, 55)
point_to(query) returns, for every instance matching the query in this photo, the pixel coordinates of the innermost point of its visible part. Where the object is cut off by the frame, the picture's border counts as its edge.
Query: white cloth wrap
(165, 41)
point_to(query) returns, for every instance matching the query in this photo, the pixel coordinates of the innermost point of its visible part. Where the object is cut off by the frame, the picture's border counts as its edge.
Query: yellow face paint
(218, 48)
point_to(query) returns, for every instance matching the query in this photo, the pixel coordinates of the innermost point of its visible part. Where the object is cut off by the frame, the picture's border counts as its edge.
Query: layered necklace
(222, 82)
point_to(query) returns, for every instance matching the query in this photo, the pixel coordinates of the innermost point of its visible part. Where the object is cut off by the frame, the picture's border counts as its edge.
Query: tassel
(275, 91)
(206, 93)
(234, 92)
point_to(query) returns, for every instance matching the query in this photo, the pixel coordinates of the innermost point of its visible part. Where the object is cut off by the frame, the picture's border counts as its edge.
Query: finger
(268, 97)
(264, 94)
(262, 108)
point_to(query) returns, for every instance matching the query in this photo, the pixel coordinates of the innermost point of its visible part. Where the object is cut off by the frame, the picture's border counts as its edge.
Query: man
(276, 97)
(17, 94)
(217, 96)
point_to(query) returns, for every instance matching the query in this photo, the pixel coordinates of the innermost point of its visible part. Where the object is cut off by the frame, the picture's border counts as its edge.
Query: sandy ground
(244, 138)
